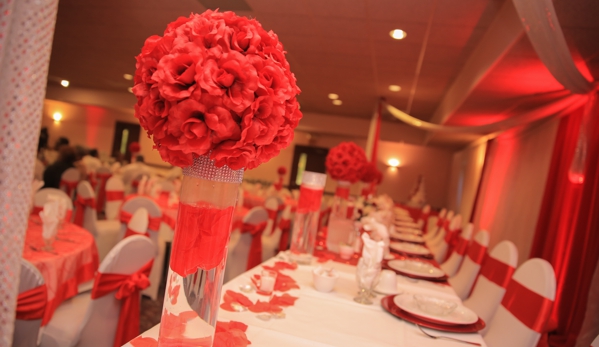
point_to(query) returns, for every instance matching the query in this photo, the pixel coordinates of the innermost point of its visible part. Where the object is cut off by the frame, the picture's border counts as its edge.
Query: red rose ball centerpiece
(216, 95)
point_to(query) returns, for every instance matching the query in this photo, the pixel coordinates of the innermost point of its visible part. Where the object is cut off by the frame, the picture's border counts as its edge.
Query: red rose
(223, 125)
(282, 170)
(228, 153)
(345, 161)
(175, 75)
(259, 131)
(134, 147)
(176, 158)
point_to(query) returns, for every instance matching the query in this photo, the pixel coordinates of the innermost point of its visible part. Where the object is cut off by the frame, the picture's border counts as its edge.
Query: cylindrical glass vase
(305, 224)
(340, 227)
(198, 255)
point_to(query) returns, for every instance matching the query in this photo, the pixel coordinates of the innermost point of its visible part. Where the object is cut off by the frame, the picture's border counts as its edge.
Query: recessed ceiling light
(337, 102)
(394, 88)
(333, 96)
(128, 77)
(57, 116)
(393, 162)
(398, 34)
(130, 89)
(64, 83)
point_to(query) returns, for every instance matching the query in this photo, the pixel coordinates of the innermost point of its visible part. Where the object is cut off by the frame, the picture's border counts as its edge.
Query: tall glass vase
(199, 252)
(340, 228)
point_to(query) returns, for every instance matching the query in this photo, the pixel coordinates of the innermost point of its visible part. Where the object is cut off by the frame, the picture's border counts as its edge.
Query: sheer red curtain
(567, 232)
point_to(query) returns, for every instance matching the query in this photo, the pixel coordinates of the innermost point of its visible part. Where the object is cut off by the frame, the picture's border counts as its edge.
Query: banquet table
(73, 261)
(334, 319)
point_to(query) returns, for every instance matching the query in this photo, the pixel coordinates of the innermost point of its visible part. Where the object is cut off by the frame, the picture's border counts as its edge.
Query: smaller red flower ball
(345, 161)
(370, 174)
(134, 147)
(282, 170)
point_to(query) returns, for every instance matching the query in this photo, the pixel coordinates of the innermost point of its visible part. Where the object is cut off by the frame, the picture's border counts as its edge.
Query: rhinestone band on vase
(203, 167)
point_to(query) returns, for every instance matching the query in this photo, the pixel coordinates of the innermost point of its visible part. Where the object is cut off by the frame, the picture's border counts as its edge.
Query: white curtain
(513, 184)
(26, 31)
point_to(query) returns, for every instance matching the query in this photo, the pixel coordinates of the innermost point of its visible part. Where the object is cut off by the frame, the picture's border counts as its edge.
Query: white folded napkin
(35, 186)
(369, 264)
(61, 203)
(50, 218)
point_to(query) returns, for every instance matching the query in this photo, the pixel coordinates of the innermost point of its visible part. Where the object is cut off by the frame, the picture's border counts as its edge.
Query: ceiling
(342, 47)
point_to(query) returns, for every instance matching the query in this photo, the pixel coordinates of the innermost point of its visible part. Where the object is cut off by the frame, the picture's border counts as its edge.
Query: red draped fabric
(131, 232)
(566, 233)
(255, 254)
(69, 186)
(31, 304)
(80, 205)
(127, 289)
(103, 178)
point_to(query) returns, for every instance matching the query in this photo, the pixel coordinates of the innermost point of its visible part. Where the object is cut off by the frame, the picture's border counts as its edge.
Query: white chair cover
(114, 184)
(239, 244)
(486, 295)
(82, 321)
(463, 281)
(270, 242)
(504, 328)
(70, 175)
(440, 246)
(139, 221)
(41, 197)
(27, 332)
(452, 264)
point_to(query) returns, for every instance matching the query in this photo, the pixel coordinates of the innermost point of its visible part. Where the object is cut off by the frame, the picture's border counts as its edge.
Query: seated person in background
(133, 170)
(50, 155)
(53, 173)
(91, 161)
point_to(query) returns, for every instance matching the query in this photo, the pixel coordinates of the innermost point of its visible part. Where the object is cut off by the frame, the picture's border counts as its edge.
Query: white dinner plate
(461, 315)
(416, 268)
(387, 292)
(407, 237)
(408, 230)
(409, 248)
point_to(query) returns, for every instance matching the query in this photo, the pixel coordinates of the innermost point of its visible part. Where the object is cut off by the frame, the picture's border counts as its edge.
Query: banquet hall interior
(449, 148)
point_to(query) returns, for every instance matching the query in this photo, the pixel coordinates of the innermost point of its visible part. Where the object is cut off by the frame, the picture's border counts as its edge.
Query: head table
(333, 319)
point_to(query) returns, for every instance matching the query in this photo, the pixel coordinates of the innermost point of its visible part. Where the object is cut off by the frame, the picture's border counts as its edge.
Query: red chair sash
(342, 192)
(127, 289)
(440, 222)
(477, 252)
(69, 186)
(92, 180)
(530, 308)
(31, 304)
(272, 214)
(153, 224)
(255, 254)
(285, 226)
(114, 195)
(309, 200)
(80, 205)
(462, 246)
(130, 232)
(497, 272)
(103, 177)
(135, 183)
(350, 212)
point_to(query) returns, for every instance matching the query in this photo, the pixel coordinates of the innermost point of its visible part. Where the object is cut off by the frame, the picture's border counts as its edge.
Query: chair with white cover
(495, 274)
(525, 308)
(69, 180)
(28, 321)
(243, 239)
(138, 224)
(115, 195)
(422, 220)
(270, 242)
(463, 281)
(435, 225)
(91, 319)
(106, 232)
(154, 223)
(43, 195)
(103, 174)
(274, 207)
(452, 264)
(439, 246)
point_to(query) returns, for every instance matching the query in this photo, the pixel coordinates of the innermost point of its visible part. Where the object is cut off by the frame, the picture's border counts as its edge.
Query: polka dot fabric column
(26, 31)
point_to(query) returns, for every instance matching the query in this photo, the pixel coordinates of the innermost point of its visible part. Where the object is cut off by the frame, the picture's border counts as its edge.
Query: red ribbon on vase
(81, 204)
(285, 226)
(153, 222)
(342, 192)
(115, 195)
(31, 304)
(309, 200)
(477, 252)
(127, 289)
(103, 177)
(530, 308)
(255, 254)
(69, 186)
(131, 232)
(497, 271)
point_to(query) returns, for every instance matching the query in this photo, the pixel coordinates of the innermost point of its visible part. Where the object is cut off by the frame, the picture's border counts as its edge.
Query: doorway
(306, 158)
(124, 134)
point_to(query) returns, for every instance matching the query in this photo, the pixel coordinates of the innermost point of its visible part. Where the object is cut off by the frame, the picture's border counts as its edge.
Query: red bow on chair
(130, 232)
(285, 226)
(80, 205)
(114, 195)
(102, 177)
(127, 289)
(69, 186)
(255, 255)
(31, 304)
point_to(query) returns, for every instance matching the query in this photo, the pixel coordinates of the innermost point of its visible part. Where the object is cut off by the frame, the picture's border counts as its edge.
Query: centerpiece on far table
(216, 95)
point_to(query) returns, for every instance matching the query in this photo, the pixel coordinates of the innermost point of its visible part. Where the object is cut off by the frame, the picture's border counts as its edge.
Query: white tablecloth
(334, 319)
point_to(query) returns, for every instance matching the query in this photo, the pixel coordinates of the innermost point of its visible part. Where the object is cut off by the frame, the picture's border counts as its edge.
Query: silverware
(446, 337)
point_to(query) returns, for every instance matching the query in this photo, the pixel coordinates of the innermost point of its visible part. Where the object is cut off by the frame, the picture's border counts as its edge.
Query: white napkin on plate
(50, 218)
